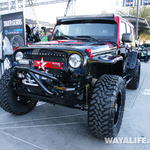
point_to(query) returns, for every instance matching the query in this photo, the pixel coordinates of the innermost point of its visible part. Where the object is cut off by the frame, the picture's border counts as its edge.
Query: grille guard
(32, 73)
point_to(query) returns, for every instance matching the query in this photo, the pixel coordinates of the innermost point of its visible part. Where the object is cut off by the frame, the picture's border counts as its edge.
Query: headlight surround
(18, 56)
(75, 60)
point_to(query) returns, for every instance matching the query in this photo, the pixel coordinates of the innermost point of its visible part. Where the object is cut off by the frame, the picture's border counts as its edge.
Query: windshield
(97, 30)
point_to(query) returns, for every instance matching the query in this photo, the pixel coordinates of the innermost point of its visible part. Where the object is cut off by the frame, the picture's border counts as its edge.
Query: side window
(122, 29)
(129, 29)
(133, 36)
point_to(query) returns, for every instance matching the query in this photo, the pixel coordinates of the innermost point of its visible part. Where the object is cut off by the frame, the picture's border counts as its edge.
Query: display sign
(134, 2)
(146, 2)
(13, 32)
(127, 3)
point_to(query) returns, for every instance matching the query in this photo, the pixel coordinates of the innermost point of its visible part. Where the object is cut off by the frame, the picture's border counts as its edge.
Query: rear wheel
(135, 74)
(106, 106)
(11, 101)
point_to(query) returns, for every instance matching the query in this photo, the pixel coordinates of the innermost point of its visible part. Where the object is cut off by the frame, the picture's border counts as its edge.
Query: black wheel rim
(118, 108)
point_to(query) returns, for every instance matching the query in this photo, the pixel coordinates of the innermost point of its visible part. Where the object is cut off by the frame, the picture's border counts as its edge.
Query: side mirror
(127, 37)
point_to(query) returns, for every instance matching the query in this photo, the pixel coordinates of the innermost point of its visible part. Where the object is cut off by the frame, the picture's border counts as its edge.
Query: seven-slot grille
(48, 61)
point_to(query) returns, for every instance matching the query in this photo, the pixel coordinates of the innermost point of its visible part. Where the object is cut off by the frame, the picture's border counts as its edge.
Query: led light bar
(24, 61)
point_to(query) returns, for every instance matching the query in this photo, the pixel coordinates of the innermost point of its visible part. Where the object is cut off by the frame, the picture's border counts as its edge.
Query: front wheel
(135, 74)
(10, 101)
(106, 106)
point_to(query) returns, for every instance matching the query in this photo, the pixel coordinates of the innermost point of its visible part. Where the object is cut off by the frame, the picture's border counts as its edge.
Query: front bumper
(55, 93)
(32, 73)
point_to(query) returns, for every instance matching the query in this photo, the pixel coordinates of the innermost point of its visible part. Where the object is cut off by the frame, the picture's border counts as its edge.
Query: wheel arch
(132, 59)
(98, 69)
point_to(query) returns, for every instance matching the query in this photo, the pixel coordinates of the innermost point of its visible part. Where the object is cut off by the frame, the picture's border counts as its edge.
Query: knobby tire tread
(101, 107)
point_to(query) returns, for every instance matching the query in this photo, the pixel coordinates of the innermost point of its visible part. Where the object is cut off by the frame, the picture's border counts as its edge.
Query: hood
(95, 46)
(64, 42)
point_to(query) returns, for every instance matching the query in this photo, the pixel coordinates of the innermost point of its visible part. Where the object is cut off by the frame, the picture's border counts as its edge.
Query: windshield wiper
(87, 37)
(63, 37)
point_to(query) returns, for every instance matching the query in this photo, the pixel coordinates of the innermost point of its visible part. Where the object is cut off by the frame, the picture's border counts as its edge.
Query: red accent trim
(109, 44)
(16, 48)
(53, 42)
(61, 41)
(117, 19)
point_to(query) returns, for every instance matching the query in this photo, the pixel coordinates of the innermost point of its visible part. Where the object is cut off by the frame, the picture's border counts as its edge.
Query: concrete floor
(61, 128)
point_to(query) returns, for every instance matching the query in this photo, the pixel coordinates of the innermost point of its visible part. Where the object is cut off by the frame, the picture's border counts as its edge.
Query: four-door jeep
(87, 64)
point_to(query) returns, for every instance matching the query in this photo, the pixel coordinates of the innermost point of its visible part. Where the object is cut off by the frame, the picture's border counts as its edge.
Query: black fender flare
(131, 59)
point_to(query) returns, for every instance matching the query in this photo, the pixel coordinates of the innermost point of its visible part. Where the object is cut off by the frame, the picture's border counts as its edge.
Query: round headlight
(19, 55)
(75, 60)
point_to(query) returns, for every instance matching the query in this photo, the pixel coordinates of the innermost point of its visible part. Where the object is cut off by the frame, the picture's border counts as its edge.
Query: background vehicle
(144, 52)
(86, 65)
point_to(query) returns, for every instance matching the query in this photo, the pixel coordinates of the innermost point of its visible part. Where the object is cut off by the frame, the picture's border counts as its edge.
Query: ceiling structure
(12, 4)
(70, 9)
(15, 5)
(142, 23)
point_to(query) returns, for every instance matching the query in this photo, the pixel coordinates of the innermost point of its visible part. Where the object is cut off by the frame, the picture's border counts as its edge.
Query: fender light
(91, 56)
(89, 52)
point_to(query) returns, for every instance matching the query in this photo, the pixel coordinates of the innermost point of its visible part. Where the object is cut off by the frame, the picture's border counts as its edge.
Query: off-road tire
(135, 74)
(104, 117)
(10, 101)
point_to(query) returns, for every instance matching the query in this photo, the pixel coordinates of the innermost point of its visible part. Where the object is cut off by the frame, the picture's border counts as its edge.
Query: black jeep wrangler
(87, 65)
